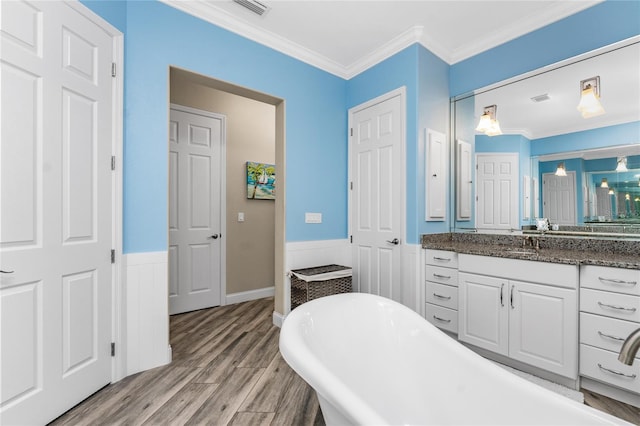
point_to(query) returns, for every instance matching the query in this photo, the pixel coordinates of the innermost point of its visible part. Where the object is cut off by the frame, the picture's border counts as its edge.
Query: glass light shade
(561, 171)
(604, 183)
(627, 197)
(484, 124)
(611, 191)
(622, 165)
(494, 130)
(590, 105)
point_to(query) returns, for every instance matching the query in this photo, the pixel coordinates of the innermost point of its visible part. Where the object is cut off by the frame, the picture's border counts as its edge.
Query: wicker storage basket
(303, 291)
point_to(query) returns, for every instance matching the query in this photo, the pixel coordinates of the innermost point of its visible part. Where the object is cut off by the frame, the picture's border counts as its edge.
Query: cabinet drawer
(604, 366)
(441, 275)
(442, 258)
(444, 318)
(604, 332)
(622, 306)
(618, 280)
(442, 295)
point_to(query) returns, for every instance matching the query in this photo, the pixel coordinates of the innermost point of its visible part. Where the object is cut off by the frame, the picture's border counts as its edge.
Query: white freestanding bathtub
(373, 361)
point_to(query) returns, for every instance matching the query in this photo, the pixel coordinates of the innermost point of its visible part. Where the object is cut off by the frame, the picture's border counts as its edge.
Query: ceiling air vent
(541, 98)
(254, 6)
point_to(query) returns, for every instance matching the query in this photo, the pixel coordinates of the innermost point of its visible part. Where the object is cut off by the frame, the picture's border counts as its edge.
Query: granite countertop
(594, 252)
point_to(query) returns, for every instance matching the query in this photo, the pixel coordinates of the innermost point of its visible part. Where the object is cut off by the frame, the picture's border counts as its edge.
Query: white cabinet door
(436, 174)
(543, 327)
(482, 313)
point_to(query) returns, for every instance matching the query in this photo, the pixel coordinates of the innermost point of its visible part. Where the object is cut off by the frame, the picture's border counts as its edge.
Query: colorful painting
(261, 181)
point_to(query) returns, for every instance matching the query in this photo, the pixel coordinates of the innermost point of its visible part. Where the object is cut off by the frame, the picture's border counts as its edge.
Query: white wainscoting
(147, 311)
(306, 254)
(412, 278)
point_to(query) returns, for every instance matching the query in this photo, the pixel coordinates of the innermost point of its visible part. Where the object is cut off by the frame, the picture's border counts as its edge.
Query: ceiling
(347, 37)
(618, 70)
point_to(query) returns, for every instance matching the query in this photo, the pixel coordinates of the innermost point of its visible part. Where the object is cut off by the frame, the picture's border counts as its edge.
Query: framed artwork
(261, 181)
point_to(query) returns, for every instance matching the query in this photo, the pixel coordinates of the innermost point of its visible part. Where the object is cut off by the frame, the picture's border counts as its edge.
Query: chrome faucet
(630, 348)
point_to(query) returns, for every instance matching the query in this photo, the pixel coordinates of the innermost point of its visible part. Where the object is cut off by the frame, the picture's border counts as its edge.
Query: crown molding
(223, 19)
(411, 36)
(551, 14)
(209, 12)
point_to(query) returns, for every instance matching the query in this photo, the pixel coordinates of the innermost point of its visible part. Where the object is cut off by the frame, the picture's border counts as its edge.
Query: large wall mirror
(506, 181)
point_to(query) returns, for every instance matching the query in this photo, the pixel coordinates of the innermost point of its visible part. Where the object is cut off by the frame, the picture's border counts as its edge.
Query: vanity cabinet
(441, 289)
(609, 312)
(521, 309)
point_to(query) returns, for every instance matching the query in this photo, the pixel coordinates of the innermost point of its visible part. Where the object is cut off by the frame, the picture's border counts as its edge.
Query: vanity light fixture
(488, 122)
(627, 196)
(561, 170)
(604, 183)
(622, 165)
(590, 105)
(611, 191)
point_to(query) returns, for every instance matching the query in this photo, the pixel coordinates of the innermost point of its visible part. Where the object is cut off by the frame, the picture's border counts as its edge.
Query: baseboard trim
(278, 319)
(245, 296)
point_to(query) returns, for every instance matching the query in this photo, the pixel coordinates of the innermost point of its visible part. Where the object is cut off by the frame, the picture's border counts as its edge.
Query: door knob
(395, 241)
(215, 236)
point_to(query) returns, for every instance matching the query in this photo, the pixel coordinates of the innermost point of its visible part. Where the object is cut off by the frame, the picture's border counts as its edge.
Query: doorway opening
(251, 231)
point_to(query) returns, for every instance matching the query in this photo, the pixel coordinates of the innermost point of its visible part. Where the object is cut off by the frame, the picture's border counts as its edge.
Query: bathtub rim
(305, 363)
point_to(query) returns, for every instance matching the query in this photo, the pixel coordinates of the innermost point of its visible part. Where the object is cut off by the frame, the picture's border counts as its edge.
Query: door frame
(223, 192)
(402, 92)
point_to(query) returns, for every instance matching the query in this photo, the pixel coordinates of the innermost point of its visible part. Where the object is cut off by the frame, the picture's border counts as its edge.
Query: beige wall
(250, 137)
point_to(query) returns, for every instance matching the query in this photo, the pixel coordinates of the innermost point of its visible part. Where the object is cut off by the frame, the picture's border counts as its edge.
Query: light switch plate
(313, 218)
(240, 216)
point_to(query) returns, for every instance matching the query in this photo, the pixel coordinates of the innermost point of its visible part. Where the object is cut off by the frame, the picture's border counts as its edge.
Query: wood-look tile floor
(227, 370)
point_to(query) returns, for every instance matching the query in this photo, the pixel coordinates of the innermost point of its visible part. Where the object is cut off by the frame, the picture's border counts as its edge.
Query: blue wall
(621, 134)
(158, 36)
(595, 27)
(316, 123)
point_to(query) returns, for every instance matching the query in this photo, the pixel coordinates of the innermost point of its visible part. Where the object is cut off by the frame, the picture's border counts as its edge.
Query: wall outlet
(240, 216)
(313, 218)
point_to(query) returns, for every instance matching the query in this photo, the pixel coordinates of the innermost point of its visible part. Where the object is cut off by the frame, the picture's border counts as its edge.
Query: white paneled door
(196, 140)
(56, 210)
(559, 198)
(497, 192)
(377, 196)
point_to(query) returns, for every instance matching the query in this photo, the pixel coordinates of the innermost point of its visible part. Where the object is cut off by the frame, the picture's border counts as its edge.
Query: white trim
(207, 11)
(223, 19)
(411, 36)
(591, 54)
(278, 319)
(552, 13)
(223, 190)
(245, 296)
(119, 318)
